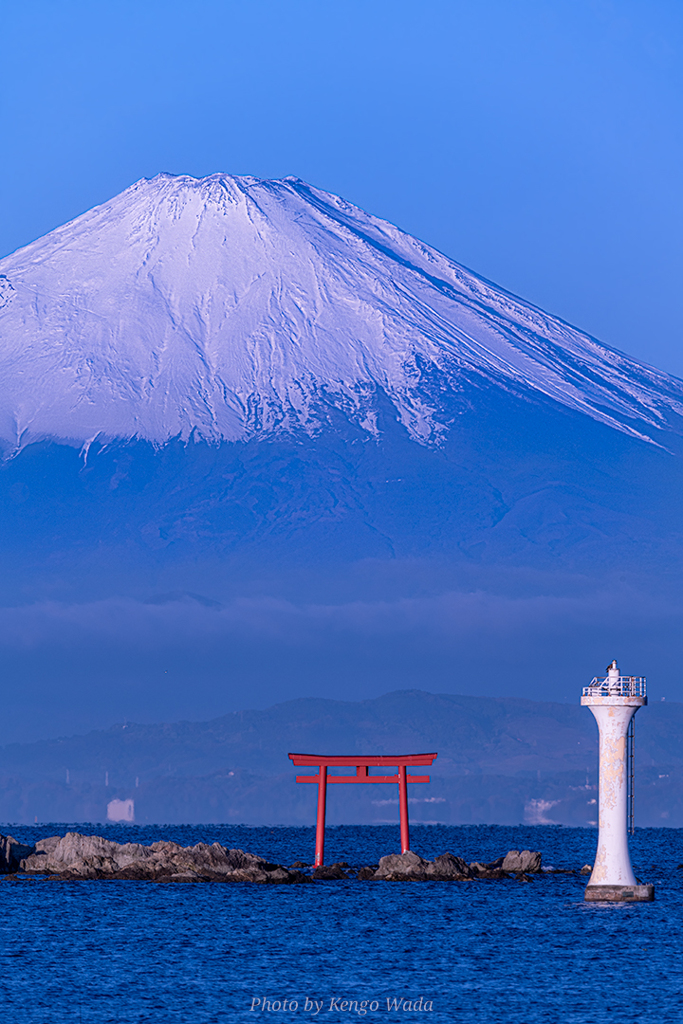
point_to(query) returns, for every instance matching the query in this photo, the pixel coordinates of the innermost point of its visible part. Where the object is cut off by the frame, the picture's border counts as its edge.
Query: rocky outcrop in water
(527, 862)
(331, 872)
(411, 867)
(402, 866)
(11, 854)
(75, 856)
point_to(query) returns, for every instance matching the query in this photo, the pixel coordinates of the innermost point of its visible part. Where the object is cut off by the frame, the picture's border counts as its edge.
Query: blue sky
(539, 142)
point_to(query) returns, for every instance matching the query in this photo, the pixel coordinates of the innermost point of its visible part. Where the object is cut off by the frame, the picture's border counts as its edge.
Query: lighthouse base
(620, 893)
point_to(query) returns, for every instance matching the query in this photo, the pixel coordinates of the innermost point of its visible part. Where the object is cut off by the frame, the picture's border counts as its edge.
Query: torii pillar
(361, 764)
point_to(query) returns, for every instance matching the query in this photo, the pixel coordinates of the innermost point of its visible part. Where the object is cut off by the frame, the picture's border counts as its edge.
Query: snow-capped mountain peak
(228, 307)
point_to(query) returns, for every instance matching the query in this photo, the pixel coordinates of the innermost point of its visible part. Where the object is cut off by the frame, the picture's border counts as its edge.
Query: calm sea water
(506, 952)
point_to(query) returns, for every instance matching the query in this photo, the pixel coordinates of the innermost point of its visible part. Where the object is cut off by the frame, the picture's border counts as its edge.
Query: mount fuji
(228, 308)
(247, 423)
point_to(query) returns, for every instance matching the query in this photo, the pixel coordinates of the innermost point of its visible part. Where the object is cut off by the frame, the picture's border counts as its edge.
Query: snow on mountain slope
(228, 308)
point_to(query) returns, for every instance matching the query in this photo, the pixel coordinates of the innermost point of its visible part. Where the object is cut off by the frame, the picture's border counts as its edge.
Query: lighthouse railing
(622, 686)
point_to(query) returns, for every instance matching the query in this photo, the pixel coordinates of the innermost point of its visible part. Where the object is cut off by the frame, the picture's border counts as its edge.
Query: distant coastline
(501, 760)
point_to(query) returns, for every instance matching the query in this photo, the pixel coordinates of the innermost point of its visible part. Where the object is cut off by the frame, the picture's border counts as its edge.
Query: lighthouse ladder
(631, 773)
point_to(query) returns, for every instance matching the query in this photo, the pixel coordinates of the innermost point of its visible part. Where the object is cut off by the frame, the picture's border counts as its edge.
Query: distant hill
(500, 761)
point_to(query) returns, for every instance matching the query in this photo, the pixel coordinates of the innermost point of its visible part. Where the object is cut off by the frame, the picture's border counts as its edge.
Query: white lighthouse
(614, 701)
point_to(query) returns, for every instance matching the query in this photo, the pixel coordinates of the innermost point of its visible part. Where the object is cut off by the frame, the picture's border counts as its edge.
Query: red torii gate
(361, 764)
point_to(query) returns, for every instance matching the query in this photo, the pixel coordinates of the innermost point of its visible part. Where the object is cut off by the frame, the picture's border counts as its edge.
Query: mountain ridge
(543, 752)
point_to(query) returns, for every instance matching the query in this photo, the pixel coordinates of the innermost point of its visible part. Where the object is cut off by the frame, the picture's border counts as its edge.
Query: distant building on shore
(121, 810)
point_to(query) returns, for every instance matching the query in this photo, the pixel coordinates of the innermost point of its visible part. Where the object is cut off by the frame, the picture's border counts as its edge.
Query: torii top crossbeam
(361, 763)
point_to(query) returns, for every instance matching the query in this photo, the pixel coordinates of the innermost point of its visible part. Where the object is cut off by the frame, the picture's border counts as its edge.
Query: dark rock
(279, 875)
(401, 867)
(330, 872)
(588, 870)
(526, 862)
(297, 877)
(365, 874)
(75, 856)
(476, 867)
(447, 867)
(11, 854)
(299, 864)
